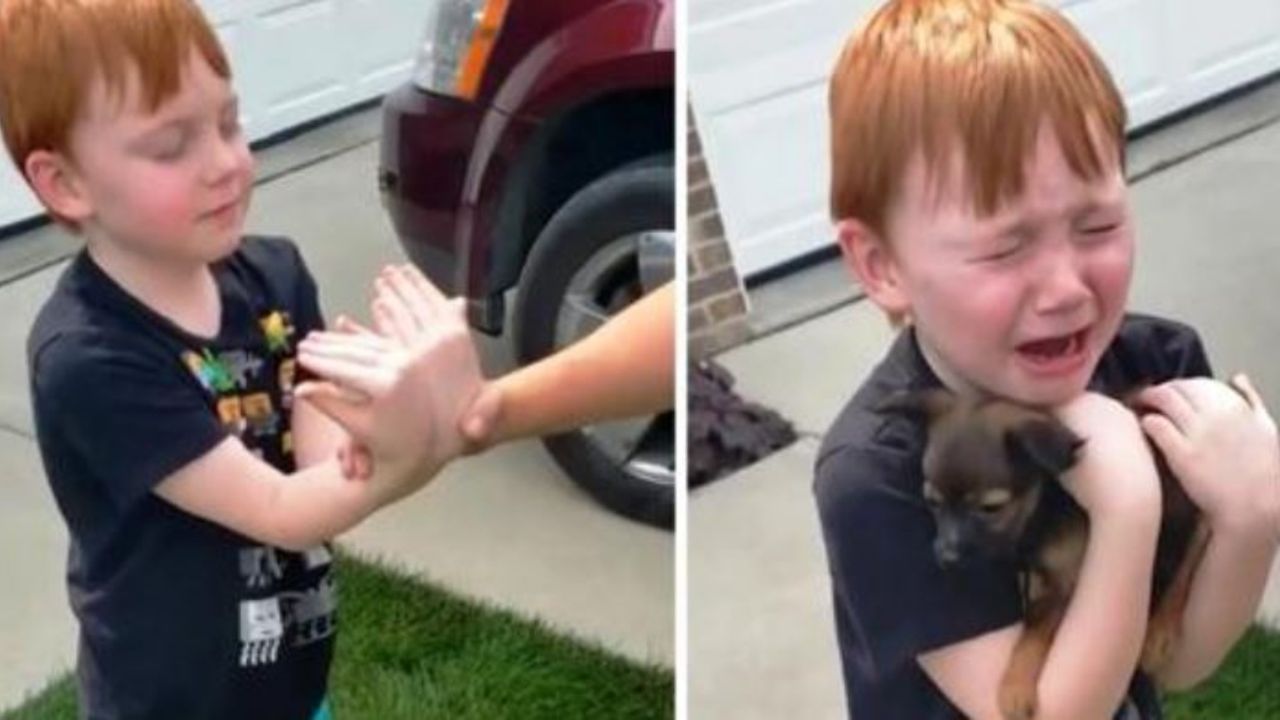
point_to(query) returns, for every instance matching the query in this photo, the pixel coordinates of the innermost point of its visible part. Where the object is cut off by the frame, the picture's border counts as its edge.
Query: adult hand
(400, 394)
(405, 305)
(480, 421)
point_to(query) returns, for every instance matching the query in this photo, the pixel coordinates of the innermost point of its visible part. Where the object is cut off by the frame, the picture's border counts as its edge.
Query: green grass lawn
(411, 651)
(1246, 687)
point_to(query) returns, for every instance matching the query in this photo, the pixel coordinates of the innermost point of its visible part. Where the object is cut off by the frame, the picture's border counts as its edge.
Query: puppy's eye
(993, 501)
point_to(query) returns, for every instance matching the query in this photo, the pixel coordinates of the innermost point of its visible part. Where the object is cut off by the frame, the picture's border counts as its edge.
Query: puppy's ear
(927, 404)
(1044, 444)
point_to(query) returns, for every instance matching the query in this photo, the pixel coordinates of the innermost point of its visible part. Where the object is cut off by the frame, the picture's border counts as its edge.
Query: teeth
(1055, 347)
(1077, 343)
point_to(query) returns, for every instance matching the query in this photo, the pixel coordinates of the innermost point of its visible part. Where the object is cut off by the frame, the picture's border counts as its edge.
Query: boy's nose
(1061, 288)
(225, 160)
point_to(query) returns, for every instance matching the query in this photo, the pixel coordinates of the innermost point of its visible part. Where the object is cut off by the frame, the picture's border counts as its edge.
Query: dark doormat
(727, 432)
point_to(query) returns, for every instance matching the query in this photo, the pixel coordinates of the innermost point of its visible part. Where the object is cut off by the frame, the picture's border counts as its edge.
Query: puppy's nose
(946, 553)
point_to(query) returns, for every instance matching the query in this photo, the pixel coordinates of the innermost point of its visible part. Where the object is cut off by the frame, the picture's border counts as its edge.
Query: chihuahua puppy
(991, 481)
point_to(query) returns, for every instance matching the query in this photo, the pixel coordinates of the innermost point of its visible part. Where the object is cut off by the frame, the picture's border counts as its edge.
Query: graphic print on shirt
(225, 371)
(277, 328)
(241, 366)
(288, 375)
(231, 413)
(261, 631)
(260, 566)
(262, 419)
(317, 556)
(243, 384)
(311, 612)
(211, 373)
(293, 618)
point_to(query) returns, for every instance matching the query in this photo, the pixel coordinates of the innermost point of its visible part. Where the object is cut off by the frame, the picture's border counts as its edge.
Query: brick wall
(717, 303)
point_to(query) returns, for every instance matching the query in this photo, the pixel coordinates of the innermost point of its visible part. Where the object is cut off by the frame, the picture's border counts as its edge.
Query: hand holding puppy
(1222, 445)
(1115, 475)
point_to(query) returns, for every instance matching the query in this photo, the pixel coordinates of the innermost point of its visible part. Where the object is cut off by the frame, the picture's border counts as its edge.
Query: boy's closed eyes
(168, 140)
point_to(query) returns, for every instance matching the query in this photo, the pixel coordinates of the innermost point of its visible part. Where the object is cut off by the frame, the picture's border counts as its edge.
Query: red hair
(53, 51)
(973, 77)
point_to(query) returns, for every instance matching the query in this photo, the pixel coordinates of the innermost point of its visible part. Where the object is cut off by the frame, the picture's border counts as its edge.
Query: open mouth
(1055, 354)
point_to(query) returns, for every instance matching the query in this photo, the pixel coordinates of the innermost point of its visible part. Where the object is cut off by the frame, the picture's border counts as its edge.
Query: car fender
(619, 46)
(628, 41)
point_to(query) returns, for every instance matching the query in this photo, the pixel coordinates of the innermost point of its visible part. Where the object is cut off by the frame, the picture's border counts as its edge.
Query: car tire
(589, 234)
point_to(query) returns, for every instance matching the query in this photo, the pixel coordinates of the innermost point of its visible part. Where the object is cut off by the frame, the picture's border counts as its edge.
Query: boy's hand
(1114, 475)
(1222, 446)
(399, 396)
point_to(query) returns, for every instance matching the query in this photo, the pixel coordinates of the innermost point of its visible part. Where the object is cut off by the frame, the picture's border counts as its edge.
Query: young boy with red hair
(977, 181)
(198, 491)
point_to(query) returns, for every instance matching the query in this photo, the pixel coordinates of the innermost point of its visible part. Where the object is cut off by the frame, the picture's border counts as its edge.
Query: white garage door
(758, 72)
(294, 61)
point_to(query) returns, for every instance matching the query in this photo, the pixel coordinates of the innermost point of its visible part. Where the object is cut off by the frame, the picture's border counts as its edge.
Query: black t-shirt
(180, 617)
(892, 602)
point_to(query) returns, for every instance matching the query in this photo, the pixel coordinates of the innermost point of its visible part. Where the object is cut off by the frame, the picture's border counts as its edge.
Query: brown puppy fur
(991, 471)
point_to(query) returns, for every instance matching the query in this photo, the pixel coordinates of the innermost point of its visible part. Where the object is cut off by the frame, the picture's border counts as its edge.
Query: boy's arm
(231, 487)
(1096, 648)
(1222, 446)
(1225, 593)
(143, 426)
(316, 438)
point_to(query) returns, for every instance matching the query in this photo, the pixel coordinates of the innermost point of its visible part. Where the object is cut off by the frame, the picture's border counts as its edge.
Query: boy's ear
(56, 184)
(872, 262)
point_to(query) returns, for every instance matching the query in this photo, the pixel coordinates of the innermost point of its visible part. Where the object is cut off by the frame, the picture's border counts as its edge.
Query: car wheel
(607, 246)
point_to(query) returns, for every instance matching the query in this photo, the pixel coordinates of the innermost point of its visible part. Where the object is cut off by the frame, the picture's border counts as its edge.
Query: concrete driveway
(506, 527)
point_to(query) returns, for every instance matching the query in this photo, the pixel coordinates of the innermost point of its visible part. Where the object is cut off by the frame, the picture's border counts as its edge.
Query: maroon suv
(534, 149)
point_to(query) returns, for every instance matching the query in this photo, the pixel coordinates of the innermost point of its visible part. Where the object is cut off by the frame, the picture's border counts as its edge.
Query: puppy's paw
(1017, 699)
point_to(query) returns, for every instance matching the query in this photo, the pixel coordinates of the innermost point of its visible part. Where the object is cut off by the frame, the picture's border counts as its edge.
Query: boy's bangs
(52, 52)
(977, 85)
(156, 37)
(990, 116)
